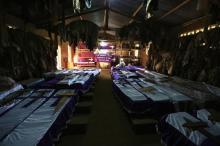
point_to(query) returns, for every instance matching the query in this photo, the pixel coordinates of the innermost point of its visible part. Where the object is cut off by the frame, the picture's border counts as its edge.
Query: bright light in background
(70, 59)
(136, 53)
(75, 59)
(137, 45)
(103, 44)
(210, 27)
(203, 44)
(69, 54)
(59, 57)
(11, 27)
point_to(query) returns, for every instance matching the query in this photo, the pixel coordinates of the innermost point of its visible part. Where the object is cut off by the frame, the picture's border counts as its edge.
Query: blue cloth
(132, 100)
(12, 118)
(42, 125)
(4, 94)
(81, 81)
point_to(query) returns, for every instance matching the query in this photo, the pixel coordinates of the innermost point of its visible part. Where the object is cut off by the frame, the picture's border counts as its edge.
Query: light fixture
(203, 44)
(137, 45)
(11, 26)
(213, 26)
(103, 44)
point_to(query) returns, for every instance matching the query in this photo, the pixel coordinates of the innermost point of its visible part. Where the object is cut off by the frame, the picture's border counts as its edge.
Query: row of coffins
(135, 90)
(182, 94)
(189, 111)
(202, 94)
(197, 127)
(37, 117)
(32, 115)
(77, 78)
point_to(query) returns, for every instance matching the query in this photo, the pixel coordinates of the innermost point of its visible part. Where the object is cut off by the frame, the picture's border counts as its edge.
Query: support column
(70, 57)
(59, 58)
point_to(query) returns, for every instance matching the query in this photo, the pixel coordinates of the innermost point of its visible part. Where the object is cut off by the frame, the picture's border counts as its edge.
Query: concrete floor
(108, 123)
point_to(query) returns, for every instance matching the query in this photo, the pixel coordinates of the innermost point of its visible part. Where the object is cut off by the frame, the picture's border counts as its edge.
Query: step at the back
(92, 88)
(86, 97)
(77, 125)
(144, 125)
(83, 107)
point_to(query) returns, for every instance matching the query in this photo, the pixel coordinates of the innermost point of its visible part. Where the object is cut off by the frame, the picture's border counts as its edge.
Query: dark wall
(194, 57)
(24, 55)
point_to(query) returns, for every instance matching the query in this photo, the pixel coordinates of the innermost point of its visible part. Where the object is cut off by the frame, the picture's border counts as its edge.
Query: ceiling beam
(195, 20)
(84, 13)
(137, 11)
(109, 29)
(80, 15)
(125, 15)
(75, 15)
(174, 9)
(29, 27)
(106, 15)
(193, 24)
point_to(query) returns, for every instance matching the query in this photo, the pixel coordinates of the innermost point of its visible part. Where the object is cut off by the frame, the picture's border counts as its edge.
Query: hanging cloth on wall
(3, 31)
(78, 5)
(151, 5)
(88, 3)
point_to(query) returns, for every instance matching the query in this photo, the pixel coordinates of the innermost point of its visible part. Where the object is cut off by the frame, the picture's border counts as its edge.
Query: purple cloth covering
(47, 122)
(52, 84)
(173, 137)
(59, 123)
(131, 105)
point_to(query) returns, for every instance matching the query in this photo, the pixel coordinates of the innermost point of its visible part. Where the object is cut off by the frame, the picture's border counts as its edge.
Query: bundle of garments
(79, 5)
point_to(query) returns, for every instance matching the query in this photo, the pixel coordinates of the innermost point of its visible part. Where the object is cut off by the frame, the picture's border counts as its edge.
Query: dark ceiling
(120, 12)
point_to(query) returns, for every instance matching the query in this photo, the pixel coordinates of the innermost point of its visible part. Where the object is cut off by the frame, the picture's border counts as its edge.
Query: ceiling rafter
(106, 15)
(84, 13)
(75, 15)
(122, 14)
(174, 9)
(195, 20)
(136, 11)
